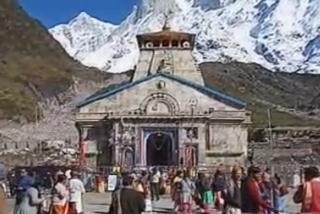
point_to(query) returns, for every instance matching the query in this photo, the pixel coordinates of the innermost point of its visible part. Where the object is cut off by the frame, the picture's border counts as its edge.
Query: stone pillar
(117, 143)
(82, 135)
(201, 143)
(181, 141)
(138, 146)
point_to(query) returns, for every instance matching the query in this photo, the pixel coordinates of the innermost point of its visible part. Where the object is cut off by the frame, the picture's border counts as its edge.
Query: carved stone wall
(177, 62)
(198, 138)
(126, 143)
(97, 138)
(130, 99)
(228, 143)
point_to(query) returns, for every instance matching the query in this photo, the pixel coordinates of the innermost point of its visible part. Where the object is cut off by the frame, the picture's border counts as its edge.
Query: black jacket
(131, 202)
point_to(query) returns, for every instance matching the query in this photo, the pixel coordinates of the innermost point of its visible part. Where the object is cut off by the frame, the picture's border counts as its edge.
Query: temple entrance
(159, 149)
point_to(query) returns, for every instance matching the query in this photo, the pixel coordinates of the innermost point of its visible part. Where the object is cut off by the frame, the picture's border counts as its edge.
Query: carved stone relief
(157, 107)
(123, 139)
(190, 134)
(165, 64)
(161, 84)
(126, 135)
(128, 155)
(220, 137)
(159, 103)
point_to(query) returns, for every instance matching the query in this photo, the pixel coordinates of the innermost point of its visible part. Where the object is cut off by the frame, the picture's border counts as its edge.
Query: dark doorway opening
(159, 150)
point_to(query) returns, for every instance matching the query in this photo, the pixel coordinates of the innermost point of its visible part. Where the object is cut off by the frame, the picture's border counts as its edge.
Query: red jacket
(254, 191)
(315, 201)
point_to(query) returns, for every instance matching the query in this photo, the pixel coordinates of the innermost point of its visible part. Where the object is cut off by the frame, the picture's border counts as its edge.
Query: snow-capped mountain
(278, 34)
(84, 34)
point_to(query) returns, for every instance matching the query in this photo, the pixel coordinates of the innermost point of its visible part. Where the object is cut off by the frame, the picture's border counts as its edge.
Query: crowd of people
(236, 191)
(244, 191)
(65, 195)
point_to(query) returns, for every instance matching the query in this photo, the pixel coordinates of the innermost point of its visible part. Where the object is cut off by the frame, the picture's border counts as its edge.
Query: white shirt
(296, 180)
(76, 188)
(156, 177)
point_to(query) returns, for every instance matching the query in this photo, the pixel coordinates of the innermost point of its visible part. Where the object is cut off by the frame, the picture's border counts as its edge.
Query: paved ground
(96, 203)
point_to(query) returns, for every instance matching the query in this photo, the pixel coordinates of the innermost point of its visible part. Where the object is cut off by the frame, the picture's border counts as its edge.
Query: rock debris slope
(293, 99)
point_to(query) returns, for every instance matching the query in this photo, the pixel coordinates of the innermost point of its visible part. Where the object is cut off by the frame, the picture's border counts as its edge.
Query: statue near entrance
(190, 146)
(127, 146)
(127, 156)
(190, 155)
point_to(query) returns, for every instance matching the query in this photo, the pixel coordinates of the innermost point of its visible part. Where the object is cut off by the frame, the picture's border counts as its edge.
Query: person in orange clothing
(308, 194)
(252, 201)
(100, 183)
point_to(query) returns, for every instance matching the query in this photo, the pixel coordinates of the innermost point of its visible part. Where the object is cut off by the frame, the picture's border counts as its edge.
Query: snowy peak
(81, 16)
(278, 34)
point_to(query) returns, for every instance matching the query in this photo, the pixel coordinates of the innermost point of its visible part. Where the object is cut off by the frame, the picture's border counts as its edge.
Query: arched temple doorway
(159, 149)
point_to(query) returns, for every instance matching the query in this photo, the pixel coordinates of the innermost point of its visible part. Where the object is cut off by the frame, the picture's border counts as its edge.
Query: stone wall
(126, 100)
(180, 63)
(227, 144)
(97, 137)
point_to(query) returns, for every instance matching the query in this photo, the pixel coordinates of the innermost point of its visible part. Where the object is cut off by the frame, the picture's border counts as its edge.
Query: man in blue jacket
(24, 183)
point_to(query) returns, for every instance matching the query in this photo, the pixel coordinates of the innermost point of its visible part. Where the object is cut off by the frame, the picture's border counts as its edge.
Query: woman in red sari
(60, 195)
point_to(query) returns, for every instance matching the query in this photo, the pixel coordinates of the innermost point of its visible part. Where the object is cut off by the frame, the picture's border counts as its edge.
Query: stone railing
(228, 114)
(233, 115)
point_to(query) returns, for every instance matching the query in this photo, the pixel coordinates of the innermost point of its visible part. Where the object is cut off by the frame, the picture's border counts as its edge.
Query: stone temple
(165, 115)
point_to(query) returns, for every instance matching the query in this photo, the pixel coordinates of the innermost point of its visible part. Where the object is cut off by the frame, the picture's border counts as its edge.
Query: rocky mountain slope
(293, 99)
(39, 81)
(281, 35)
(34, 68)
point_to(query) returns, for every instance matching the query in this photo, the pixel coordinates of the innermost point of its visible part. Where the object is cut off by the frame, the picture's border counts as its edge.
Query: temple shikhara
(165, 115)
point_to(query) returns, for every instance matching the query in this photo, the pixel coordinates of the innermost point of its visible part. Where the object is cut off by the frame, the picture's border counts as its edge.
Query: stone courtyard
(96, 203)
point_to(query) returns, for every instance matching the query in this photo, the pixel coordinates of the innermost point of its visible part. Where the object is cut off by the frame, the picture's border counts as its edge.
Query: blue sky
(52, 12)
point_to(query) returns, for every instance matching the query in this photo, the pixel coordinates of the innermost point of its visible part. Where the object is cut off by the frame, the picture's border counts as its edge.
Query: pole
(36, 119)
(66, 152)
(270, 139)
(191, 137)
(271, 152)
(36, 130)
(120, 148)
(189, 145)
